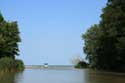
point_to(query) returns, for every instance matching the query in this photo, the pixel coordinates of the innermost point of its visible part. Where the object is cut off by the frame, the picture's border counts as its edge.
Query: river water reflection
(62, 76)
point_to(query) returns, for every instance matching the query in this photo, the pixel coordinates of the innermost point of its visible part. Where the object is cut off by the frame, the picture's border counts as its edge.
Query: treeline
(9, 39)
(105, 42)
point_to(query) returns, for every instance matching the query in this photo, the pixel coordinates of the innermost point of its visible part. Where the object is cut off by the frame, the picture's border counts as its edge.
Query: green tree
(105, 42)
(9, 38)
(92, 44)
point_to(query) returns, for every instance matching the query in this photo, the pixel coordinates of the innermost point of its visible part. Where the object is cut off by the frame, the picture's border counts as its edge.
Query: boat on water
(45, 65)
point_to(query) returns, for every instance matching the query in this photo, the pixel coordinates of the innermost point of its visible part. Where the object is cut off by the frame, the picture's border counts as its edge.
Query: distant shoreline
(49, 67)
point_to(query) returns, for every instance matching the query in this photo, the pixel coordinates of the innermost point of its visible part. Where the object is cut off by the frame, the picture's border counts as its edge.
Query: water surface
(62, 76)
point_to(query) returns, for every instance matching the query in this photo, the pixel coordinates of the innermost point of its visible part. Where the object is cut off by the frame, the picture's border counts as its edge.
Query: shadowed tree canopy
(105, 42)
(9, 38)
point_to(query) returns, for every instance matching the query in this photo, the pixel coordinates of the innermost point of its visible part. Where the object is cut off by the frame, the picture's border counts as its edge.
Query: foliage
(105, 42)
(92, 43)
(10, 65)
(6, 64)
(82, 64)
(19, 65)
(9, 38)
(78, 62)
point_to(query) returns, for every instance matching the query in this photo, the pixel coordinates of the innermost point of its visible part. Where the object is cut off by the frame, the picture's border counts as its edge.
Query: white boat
(45, 65)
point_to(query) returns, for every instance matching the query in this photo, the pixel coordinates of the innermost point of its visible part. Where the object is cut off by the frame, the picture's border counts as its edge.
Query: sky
(51, 30)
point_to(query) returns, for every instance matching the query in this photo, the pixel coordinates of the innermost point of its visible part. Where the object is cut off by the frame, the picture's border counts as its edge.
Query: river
(62, 76)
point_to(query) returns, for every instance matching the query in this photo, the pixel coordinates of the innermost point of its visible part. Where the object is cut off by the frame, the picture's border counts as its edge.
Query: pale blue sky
(51, 29)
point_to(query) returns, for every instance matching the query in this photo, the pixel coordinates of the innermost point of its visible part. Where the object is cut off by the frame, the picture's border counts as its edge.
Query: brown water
(62, 76)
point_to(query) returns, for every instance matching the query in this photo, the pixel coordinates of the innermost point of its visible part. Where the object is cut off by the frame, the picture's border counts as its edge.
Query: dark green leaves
(105, 42)
(9, 38)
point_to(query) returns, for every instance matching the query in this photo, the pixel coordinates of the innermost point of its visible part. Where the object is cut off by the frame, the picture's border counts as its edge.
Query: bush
(19, 65)
(10, 65)
(82, 64)
(6, 64)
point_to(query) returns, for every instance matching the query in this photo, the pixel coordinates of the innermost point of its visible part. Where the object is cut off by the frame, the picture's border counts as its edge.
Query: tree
(105, 42)
(9, 38)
